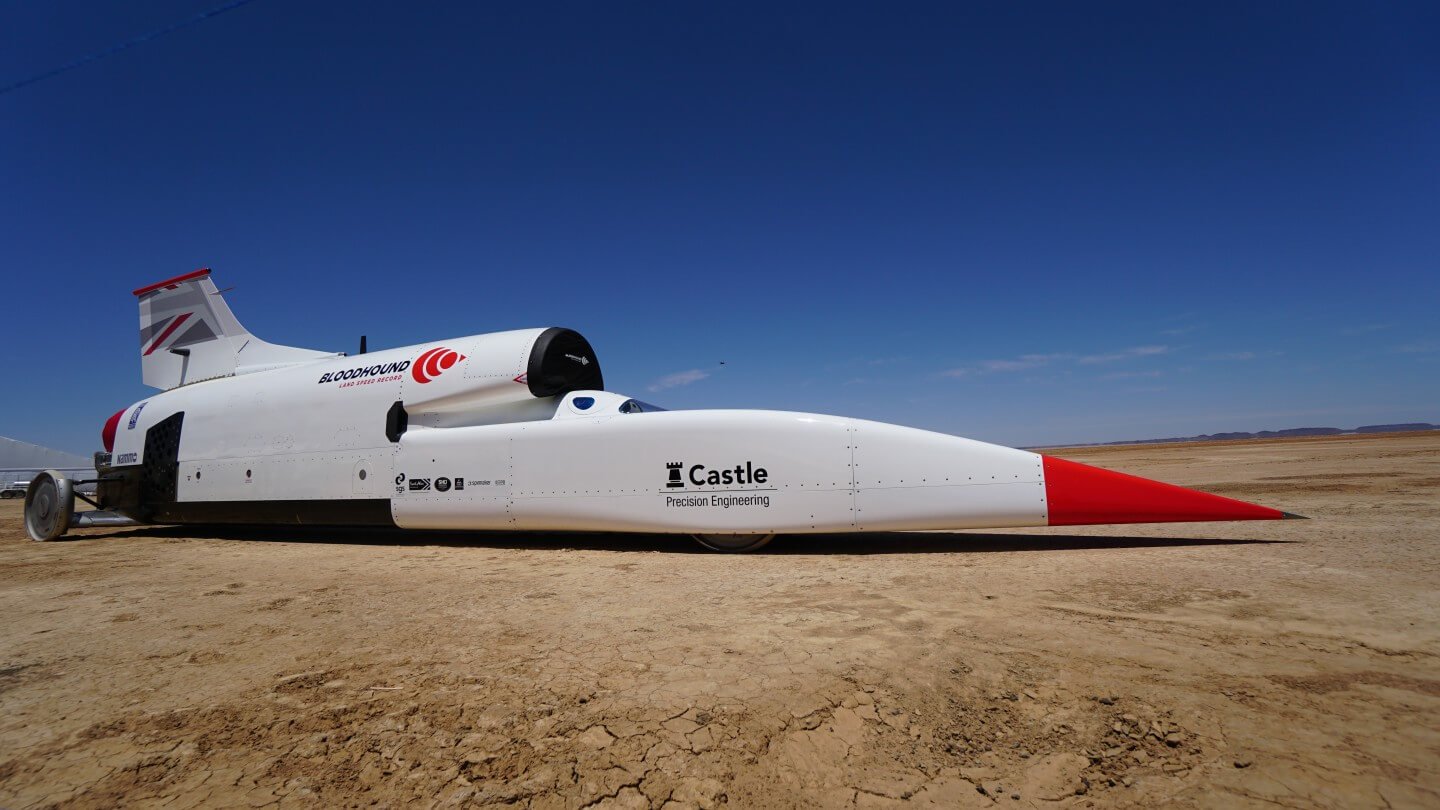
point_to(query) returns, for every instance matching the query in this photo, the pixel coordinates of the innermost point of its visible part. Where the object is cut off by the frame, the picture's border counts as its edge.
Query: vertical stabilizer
(188, 334)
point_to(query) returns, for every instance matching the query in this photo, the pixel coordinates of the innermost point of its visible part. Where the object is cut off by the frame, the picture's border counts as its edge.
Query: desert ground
(1262, 664)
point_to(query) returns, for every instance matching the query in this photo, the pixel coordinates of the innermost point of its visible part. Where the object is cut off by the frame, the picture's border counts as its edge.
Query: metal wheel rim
(41, 512)
(48, 506)
(732, 543)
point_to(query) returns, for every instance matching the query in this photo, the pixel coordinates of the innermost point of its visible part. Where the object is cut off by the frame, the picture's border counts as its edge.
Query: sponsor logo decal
(442, 484)
(747, 475)
(433, 363)
(716, 501)
(429, 365)
(366, 375)
(127, 458)
(582, 360)
(135, 417)
(699, 475)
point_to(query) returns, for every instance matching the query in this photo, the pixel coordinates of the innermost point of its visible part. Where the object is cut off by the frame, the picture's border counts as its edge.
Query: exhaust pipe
(97, 519)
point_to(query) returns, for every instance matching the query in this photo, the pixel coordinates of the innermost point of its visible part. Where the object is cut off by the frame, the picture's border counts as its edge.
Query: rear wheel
(734, 543)
(49, 504)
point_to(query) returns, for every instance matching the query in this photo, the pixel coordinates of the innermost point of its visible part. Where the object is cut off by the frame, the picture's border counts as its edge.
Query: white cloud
(1125, 354)
(679, 378)
(1365, 329)
(1245, 355)
(1421, 347)
(1129, 375)
(1022, 362)
(1030, 361)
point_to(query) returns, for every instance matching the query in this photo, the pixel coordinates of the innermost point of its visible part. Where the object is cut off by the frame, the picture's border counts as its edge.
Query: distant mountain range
(1272, 434)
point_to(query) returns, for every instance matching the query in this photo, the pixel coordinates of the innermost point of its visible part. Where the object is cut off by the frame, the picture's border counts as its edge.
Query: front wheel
(734, 543)
(49, 505)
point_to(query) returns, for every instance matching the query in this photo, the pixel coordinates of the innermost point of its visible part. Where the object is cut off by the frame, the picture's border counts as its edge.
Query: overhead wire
(126, 45)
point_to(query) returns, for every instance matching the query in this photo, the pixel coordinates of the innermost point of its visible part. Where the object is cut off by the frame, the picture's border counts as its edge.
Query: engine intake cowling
(499, 377)
(562, 361)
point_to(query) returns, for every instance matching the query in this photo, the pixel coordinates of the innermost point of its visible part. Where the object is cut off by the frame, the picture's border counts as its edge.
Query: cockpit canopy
(636, 406)
(601, 403)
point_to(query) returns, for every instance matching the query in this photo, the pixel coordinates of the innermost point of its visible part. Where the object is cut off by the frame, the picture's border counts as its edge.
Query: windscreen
(636, 406)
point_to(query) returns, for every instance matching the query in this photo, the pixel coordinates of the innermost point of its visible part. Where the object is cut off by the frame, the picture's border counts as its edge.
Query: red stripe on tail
(168, 330)
(149, 288)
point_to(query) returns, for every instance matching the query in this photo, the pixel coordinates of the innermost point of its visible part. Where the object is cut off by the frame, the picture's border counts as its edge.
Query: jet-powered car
(514, 431)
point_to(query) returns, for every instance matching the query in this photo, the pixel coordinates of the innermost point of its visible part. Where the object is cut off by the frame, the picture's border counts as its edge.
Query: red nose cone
(107, 433)
(1079, 494)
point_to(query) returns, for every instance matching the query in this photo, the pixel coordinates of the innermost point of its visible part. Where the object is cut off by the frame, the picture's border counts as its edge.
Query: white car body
(511, 431)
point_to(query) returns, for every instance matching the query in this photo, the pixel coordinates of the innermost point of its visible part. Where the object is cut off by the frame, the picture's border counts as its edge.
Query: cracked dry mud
(1289, 664)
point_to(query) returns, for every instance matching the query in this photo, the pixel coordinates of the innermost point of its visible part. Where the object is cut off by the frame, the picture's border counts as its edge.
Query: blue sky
(1025, 223)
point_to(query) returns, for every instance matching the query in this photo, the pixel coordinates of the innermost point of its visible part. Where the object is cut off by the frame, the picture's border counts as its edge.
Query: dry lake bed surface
(1263, 664)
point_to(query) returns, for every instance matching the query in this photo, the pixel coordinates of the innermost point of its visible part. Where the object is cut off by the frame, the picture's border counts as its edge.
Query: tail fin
(188, 334)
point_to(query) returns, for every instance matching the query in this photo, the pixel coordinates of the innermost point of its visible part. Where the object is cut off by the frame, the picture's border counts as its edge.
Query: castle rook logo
(674, 467)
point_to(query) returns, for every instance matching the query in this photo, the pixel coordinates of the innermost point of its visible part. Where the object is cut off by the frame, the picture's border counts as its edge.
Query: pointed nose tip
(1078, 494)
